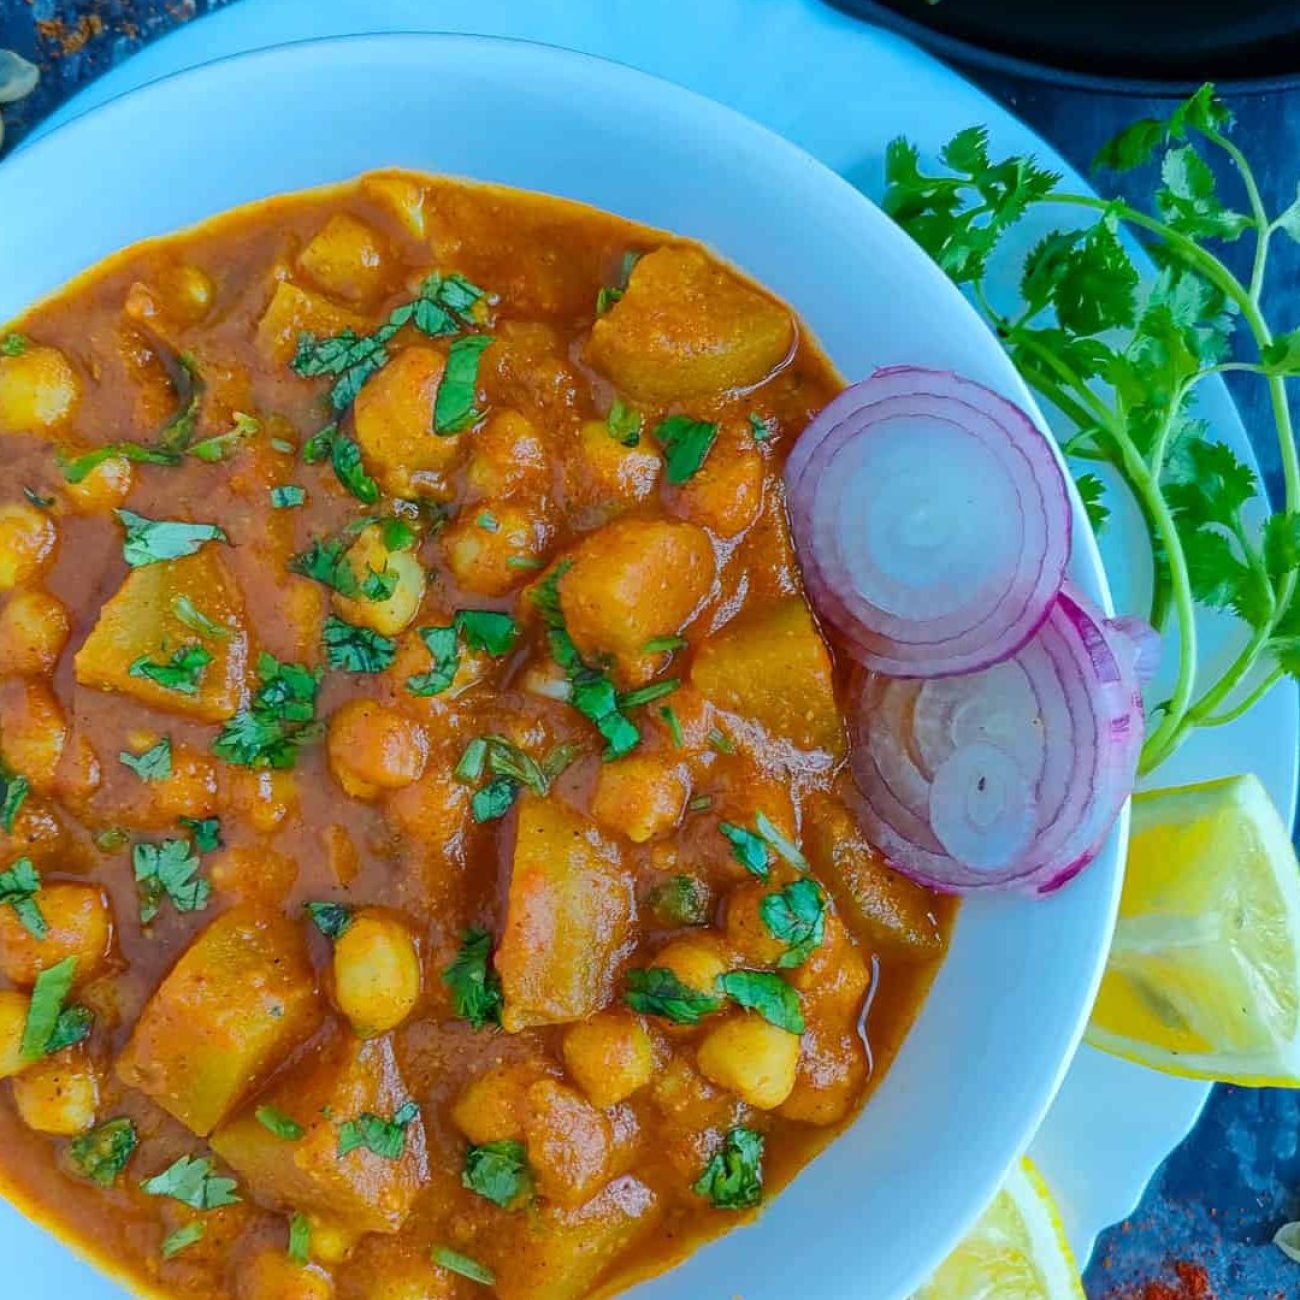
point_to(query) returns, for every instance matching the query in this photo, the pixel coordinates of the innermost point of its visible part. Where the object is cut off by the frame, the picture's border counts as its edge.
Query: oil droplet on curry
(426, 868)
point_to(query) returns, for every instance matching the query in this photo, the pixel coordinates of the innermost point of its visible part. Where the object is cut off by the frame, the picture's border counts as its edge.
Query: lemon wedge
(1017, 1251)
(1203, 978)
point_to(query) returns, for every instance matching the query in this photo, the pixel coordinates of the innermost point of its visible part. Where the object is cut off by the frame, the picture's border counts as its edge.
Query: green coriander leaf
(455, 1262)
(683, 900)
(720, 742)
(36, 499)
(686, 443)
(331, 919)
(317, 448)
(606, 297)
(499, 1171)
(747, 848)
(197, 621)
(345, 456)
(103, 1153)
(488, 630)
(19, 886)
(624, 423)
(472, 761)
(300, 1239)
(454, 409)
(474, 984)
(287, 496)
(701, 803)
(285, 1127)
(379, 585)
(786, 848)
(383, 1137)
(72, 1027)
(326, 563)
(648, 694)
(206, 832)
(797, 917)
(351, 357)
(1096, 289)
(664, 644)
(1282, 545)
(181, 673)
(1092, 492)
(522, 562)
(356, 649)
(214, 450)
(767, 994)
(674, 726)
(14, 345)
(193, 1183)
(1189, 199)
(155, 764)
(77, 468)
(182, 1238)
(397, 535)
(49, 993)
(488, 522)
(494, 799)
(149, 541)
(594, 697)
(733, 1178)
(168, 870)
(112, 839)
(546, 595)
(280, 719)
(761, 427)
(656, 991)
(14, 790)
(443, 650)
(177, 433)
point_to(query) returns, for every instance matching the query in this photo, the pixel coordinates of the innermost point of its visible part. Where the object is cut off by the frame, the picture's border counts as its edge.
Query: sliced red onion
(1144, 643)
(1007, 778)
(932, 522)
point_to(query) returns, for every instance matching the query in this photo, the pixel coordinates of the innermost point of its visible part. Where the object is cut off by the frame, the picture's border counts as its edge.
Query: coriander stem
(1245, 704)
(1259, 213)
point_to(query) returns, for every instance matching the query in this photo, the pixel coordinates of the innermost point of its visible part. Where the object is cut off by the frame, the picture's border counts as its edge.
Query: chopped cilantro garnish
(176, 434)
(285, 1127)
(767, 994)
(499, 1171)
(345, 456)
(453, 408)
(720, 742)
(686, 443)
(658, 992)
(215, 449)
(327, 562)
(523, 562)
(472, 761)
(455, 1262)
(609, 294)
(648, 694)
(149, 541)
(193, 1183)
(748, 849)
(206, 832)
(77, 468)
(168, 870)
(494, 799)
(761, 429)
(196, 620)
(181, 673)
(488, 522)
(72, 1027)
(606, 297)
(278, 722)
(13, 793)
(786, 848)
(287, 495)
(103, 1153)
(37, 499)
(50, 1027)
(624, 423)
(19, 886)
(797, 917)
(397, 534)
(441, 644)
(111, 839)
(512, 768)
(674, 726)
(184, 1237)
(331, 919)
(474, 984)
(733, 1178)
(356, 649)
(14, 344)
(701, 803)
(155, 764)
(383, 1137)
(683, 900)
(658, 645)
(488, 630)
(299, 1239)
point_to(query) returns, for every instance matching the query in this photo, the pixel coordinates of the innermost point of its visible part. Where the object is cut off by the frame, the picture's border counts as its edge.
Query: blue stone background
(1218, 1199)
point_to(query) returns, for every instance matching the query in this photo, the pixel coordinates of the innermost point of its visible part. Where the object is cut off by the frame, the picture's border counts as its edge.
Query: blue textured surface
(1220, 1196)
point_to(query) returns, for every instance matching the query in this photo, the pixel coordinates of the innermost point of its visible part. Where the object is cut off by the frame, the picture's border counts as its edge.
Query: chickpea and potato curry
(428, 868)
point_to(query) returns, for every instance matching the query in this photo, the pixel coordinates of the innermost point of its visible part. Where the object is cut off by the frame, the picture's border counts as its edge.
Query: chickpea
(747, 932)
(104, 488)
(368, 555)
(33, 731)
(34, 628)
(605, 470)
(331, 1242)
(641, 796)
(58, 1095)
(373, 748)
(610, 1056)
(13, 1021)
(187, 290)
(696, 960)
(752, 1058)
(493, 548)
(27, 538)
(491, 1108)
(509, 458)
(38, 390)
(190, 790)
(265, 798)
(79, 923)
(272, 1275)
(376, 973)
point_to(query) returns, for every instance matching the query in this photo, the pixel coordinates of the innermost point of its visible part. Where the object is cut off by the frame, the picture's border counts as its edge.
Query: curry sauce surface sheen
(497, 643)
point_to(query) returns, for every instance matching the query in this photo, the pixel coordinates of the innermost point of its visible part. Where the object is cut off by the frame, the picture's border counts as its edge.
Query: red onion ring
(956, 561)
(1007, 778)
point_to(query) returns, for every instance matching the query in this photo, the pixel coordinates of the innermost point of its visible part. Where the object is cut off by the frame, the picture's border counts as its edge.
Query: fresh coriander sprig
(1122, 361)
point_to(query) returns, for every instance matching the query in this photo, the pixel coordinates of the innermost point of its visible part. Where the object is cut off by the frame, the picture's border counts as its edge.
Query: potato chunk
(376, 972)
(340, 1080)
(34, 628)
(367, 555)
(640, 795)
(13, 1023)
(494, 547)
(346, 259)
(634, 580)
(509, 458)
(685, 327)
(610, 1057)
(567, 918)
(394, 423)
(141, 622)
(293, 311)
(240, 999)
(772, 667)
(373, 748)
(27, 541)
(570, 1143)
(78, 924)
(559, 1254)
(272, 1275)
(605, 473)
(39, 390)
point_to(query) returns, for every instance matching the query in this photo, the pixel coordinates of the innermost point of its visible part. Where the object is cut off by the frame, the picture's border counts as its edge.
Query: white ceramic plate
(873, 1214)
